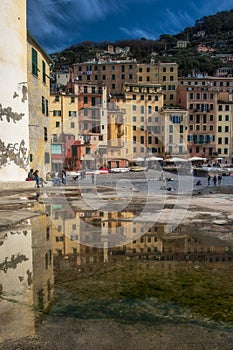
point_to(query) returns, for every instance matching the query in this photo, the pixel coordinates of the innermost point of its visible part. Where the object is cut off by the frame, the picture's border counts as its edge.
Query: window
(226, 128)
(134, 97)
(57, 124)
(134, 107)
(45, 134)
(142, 109)
(43, 72)
(142, 97)
(34, 62)
(43, 105)
(113, 77)
(219, 129)
(72, 125)
(219, 118)
(56, 113)
(134, 127)
(72, 99)
(46, 158)
(72, 114)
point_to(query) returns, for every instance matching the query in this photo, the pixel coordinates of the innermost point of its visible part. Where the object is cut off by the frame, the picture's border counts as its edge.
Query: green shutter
(34, 62)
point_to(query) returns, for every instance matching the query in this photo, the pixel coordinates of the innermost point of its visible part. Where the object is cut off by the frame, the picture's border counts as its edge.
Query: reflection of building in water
(26, 274)
(92, 236)
(195, 247)
(148, 242)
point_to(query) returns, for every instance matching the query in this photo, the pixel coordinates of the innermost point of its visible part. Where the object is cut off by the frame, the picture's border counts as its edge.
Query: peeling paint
(9, 114)
(16, 153)
(24, 93)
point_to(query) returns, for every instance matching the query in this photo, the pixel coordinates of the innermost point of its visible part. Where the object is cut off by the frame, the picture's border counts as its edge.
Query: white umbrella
(138, 159)
(192, 159)
(154, 158)
(175, 160)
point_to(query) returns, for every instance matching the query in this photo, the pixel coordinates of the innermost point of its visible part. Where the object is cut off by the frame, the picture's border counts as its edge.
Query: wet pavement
(119, 264)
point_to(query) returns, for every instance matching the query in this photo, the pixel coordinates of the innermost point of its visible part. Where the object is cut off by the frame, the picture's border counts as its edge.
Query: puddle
(109, 265)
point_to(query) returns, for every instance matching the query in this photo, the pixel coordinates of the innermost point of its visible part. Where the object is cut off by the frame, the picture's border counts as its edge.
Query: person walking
(63, 177)
(93, 178)
(219, 180)
(209, 179)
(215, 180)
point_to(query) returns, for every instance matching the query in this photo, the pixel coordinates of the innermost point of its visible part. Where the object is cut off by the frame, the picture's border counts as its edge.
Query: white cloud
(137, 33)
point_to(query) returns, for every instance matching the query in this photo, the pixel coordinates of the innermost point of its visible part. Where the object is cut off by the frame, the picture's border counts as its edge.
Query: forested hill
(218, 34)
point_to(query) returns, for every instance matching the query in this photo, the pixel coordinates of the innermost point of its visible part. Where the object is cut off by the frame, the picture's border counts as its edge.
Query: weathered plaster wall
(38, 119)
(14, 134)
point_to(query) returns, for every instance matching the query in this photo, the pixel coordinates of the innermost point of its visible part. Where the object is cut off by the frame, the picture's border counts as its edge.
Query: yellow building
(162, 73)
(38, 95)
(175, 121)
(143, 128)
(224, 127)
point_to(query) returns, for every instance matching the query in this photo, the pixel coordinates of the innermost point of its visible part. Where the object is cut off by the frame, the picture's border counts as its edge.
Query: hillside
(218, 34)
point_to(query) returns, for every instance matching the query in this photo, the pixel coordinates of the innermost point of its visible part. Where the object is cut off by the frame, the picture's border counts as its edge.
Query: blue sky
(58, 24)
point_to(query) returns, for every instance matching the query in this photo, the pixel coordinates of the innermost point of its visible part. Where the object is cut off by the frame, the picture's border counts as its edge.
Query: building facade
(38, 97)
(14, 133)
(143, 125)
(165, 74)
(113, 74)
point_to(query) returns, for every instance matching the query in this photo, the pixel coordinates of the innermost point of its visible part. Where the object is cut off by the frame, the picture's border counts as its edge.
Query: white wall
(14, 137)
